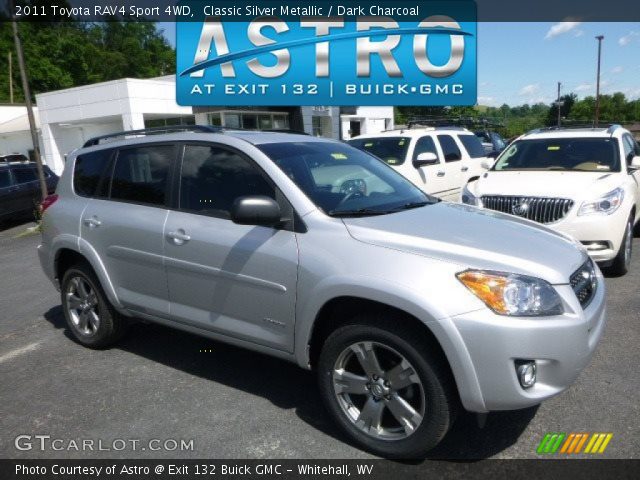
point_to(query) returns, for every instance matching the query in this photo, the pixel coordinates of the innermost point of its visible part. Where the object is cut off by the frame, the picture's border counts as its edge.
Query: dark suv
(19, 186)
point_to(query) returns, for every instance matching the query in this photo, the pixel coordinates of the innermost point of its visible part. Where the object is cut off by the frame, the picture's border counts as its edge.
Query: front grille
(584, 282)
(538, 209)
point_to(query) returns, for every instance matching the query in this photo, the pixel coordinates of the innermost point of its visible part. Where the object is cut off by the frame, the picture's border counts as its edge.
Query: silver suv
(321, 254)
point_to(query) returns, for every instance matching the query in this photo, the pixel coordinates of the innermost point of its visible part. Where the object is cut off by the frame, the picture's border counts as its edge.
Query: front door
(236, 280)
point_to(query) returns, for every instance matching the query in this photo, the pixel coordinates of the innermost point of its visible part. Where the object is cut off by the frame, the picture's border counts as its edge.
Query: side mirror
(425, 159)
(635, 162)
(486, 164)
(256, 210)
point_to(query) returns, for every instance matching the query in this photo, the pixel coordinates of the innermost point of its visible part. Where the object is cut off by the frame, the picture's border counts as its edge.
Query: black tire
(111, 326)
(622, 261)
(439, 399)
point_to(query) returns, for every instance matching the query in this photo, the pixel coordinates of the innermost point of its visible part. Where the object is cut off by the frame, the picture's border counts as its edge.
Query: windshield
(392, 150)
(561, 154)
(343, 181)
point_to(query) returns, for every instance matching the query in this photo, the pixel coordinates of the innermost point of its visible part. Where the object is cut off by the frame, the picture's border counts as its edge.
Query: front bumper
(562, 346)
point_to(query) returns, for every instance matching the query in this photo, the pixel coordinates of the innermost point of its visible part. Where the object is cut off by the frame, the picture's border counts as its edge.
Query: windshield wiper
(360, 212)
(409, 206)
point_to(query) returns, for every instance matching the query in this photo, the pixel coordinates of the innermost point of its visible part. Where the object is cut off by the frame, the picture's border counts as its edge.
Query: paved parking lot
(166, 385)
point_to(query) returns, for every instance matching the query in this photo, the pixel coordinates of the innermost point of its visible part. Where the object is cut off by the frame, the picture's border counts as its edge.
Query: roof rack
(153, 131)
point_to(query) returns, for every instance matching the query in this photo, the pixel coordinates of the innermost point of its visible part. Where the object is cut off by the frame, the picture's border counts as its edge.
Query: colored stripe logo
(573, 443)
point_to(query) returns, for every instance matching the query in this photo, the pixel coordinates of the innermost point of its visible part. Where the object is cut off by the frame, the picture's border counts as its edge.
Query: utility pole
(27, 99)
(10, 76)
(597, 118)
(559, 104)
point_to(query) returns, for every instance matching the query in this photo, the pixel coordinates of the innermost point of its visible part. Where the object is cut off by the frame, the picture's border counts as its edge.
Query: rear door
(452, 168)
(473, 157)
(237, 280)
(124, 224)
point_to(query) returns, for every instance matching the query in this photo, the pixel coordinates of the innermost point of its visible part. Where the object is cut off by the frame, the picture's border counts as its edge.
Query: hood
(573, 185)
(474, 238)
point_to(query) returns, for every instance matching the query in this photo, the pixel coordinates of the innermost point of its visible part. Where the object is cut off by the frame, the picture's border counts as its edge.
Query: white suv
(439, 160)
(582, 182)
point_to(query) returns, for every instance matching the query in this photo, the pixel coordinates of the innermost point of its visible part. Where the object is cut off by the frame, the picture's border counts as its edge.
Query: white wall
(70, 117)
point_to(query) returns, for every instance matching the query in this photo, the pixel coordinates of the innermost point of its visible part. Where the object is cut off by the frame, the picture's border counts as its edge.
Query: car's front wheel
(91, 318)
(622, 262)
(385, 389)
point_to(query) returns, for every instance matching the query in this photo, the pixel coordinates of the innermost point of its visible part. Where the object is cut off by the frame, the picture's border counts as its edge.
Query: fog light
(526, 371)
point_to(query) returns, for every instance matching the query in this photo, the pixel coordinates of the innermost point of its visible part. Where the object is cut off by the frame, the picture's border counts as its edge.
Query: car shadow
(9, 224)
(288, 387)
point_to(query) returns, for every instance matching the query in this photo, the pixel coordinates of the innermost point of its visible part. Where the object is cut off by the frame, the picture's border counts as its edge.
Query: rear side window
(449, 148)
(5, 180)
(88, 171)
(473, 145)
(140, 174)
(25, 175)
(213, 177)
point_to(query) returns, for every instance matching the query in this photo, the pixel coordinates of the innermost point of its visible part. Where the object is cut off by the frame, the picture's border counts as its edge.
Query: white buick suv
(582, 182)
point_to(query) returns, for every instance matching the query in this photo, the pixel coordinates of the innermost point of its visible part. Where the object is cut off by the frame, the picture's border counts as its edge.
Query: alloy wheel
(82, 306)
(379, 391)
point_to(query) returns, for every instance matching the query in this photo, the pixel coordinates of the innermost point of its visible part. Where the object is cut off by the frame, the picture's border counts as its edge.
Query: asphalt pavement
(160, 387)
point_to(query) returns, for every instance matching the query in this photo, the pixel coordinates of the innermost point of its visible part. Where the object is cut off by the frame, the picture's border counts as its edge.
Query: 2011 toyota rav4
(318, 253)
(582, 182)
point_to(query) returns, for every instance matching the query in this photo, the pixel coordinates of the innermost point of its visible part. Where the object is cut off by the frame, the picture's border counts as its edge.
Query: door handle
(92, 222)
(440, 173)
(179, 237)
(464, 169)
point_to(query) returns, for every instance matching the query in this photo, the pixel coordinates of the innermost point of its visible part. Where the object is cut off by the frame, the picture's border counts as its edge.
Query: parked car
(20, 187)
(492, 142)
(582, 182)
(318, 253)
(439, 160)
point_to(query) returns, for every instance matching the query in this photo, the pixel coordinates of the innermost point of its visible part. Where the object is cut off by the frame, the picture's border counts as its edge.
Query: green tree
(66, 54)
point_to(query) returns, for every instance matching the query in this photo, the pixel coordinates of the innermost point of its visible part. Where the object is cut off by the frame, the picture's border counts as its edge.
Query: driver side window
(424, 145)
(630, 148)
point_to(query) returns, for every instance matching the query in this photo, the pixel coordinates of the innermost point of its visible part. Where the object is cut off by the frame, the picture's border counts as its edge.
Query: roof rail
(576, 126)
(154, 131)
(461, 122)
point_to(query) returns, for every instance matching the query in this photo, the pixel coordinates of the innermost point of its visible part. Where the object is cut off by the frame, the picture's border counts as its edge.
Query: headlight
(512, 294)
(469, 198)
(607, 204)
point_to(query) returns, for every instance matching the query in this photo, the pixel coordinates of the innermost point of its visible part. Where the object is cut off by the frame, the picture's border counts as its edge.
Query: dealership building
(67, 118)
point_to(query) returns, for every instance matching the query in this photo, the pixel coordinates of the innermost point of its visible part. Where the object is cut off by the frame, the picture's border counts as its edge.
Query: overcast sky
(522, 62)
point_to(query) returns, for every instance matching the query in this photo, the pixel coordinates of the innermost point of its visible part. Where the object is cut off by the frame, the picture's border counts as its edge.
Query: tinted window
(5, 180)
(473, 145)
(449, 148)
(424, 145)
(213, 177)
(392, 150)
(25, 175)
(140, 174)
(577, 154)
(88, 170)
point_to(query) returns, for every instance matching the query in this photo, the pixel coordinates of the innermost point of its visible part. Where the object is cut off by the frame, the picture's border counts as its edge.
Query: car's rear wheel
(385, 390)
(622, 262)
(91, 318)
